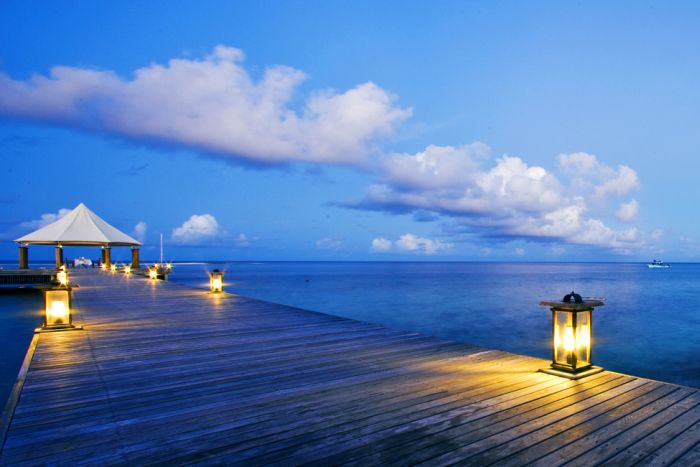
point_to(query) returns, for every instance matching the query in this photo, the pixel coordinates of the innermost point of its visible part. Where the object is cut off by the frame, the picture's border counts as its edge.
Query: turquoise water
(20, 313)
(649, 326)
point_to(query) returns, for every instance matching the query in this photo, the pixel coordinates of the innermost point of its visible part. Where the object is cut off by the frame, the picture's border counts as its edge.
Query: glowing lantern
(57, 303)
(103, 266)
(62, 277)
(127, 269)
(168, 265)
(153, 273)
(571, 336)
(113, 267)
(216, 281)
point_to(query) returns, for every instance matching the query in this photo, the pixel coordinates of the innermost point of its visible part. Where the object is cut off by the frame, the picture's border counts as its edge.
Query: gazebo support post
(108, 256)
(23, 257)
(59, 256)
(135, 259)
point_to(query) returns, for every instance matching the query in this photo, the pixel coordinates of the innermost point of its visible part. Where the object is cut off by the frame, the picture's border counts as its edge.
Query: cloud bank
(212, 104)
(410, 243)
(507, 198)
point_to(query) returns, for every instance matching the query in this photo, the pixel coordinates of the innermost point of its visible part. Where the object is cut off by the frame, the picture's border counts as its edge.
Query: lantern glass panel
(216, 282)
(583, 338)
(57, 303)
(563, 338)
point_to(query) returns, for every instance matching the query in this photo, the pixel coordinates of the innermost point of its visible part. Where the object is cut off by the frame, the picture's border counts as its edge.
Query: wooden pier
(167, 374)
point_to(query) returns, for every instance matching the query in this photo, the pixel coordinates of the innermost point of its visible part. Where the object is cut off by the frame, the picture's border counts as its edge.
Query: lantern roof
(585, 304)
(82, 227)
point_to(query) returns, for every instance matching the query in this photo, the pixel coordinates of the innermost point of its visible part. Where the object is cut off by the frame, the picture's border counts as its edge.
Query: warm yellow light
(153, 273)
(57, 307)
(216, 281)
(113, 268)
(103, 265)
(58, 313)
(127, 269)
(569, 342)
(169, 265)
(584, 337)
(62, 277)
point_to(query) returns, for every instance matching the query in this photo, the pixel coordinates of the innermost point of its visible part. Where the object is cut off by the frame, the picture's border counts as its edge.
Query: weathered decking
(166, 374)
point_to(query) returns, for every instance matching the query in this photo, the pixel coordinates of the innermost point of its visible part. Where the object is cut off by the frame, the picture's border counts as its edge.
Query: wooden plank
(574, 444)
(11, 404)
(249, 381)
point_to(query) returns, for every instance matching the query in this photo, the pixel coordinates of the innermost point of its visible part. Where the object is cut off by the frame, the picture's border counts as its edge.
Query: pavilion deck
(168, 374)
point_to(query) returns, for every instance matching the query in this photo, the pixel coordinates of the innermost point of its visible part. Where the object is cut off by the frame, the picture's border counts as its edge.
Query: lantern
(153, 273)
(57, 303)
(168, 265)
(127, 269)
(113, 267)
(62, 277)
(103, 265)
(571, 336)
(216, 281)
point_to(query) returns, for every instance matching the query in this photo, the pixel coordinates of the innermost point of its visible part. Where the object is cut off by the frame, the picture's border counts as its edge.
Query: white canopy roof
(81, 226)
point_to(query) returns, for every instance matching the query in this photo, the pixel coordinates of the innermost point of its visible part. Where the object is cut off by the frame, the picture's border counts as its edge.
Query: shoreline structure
(164, 372)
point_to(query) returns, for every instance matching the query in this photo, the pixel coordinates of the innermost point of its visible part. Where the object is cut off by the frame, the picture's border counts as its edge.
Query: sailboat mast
(161, 249)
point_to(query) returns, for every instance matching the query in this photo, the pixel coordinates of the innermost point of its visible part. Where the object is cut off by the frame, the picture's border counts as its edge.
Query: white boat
(82, 261)
(657, 264)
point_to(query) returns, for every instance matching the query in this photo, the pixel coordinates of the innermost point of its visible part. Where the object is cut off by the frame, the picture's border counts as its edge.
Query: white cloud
(140, 231)
(327, 243)
(411, 242)
(198, 228)
(508, 198)
(558, 250)
(212, 104)
(436, 167)
(628, 212)
(381, 244)
(242, 240)
(45, 219)
(590, 174)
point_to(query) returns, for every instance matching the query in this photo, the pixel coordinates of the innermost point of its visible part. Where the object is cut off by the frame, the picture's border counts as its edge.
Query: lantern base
(578, 375)
(67, 327)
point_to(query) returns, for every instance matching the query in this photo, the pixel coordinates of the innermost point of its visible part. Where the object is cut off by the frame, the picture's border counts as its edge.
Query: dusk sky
(333, 130)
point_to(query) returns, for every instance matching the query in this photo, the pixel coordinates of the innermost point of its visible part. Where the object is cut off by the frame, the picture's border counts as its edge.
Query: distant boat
(82, 261)
(658, 264)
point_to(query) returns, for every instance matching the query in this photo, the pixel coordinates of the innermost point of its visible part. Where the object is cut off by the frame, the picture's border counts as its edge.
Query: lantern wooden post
(23, 257)
(572, 326)
(59, 256)
(135, 259)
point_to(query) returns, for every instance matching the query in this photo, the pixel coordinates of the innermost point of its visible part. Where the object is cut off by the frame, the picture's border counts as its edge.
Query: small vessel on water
(82, 262)
(658, 264)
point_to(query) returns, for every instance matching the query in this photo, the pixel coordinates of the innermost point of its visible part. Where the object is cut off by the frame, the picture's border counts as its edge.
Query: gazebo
(80, 227)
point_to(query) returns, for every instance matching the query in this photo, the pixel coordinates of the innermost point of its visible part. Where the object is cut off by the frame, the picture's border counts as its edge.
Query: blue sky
(357, 130)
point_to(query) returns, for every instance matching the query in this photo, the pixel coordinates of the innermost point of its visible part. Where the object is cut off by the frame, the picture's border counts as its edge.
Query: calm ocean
(649, 326)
